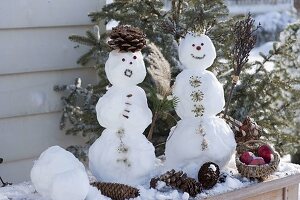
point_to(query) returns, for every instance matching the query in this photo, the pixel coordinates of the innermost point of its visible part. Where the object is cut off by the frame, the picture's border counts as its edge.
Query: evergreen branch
(83, 40)
(92, 36)
(85, 58)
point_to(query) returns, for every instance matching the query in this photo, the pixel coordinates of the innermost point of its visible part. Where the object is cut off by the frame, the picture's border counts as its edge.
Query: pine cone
(127, 38)
(178, 180)
(248, 130)
(209, 175)
(116, 191)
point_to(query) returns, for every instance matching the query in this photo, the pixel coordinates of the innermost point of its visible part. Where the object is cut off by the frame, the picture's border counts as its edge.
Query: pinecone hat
(178, 180)
(116, 191)
(127, 39)
(209, 175)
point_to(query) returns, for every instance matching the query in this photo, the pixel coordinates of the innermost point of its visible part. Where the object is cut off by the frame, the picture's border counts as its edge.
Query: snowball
(184, 145)
(125, 69)
(192, 82)
(185, 196)
(59, 175)
(196, 52)
(213, 167)
(129, 101)
(70, 185)
(122, 157)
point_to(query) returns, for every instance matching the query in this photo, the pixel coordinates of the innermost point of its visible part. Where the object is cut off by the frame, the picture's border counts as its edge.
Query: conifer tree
(260, 94)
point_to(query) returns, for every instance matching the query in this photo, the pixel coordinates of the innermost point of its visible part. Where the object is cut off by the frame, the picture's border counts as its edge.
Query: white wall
(35, 54)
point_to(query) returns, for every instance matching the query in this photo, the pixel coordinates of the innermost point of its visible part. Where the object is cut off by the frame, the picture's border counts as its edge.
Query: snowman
(123, 154)
(200, 136)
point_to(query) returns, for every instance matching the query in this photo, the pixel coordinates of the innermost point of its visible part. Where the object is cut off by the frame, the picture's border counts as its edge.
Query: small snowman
(123, 154)
(200, 136)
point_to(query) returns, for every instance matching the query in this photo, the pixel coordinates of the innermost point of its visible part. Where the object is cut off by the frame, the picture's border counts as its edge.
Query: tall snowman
(200, 136)
(123, 154)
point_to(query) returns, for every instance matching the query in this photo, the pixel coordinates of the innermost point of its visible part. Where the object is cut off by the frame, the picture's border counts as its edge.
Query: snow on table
(26, 191)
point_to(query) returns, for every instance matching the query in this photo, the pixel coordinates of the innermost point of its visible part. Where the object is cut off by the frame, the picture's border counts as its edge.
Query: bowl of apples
(256, 159)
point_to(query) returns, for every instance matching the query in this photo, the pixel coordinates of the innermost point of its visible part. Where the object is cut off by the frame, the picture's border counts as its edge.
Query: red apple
(246, 157)
(265, 152)
(257, 161)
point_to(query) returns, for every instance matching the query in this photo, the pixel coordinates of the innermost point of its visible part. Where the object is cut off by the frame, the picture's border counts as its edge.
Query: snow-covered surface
(254, 56)
(274, 20)
(26, 191)
(258, 8)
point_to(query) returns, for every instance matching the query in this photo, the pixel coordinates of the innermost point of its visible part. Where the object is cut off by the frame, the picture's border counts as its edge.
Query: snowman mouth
(198, 57)
(128, 73)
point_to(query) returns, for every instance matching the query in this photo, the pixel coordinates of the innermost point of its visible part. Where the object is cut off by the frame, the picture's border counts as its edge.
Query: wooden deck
(279, 189)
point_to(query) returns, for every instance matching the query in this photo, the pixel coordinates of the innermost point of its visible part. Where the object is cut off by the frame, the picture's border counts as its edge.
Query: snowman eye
(134, 57)
(123, 59)
(202, 44)
(193, 45)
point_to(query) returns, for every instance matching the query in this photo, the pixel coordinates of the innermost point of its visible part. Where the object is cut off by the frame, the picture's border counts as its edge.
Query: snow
(59, 175)
(123, 154)
(196, 51)
(259, 8)
(112, 109)
(184, 147)
(108, 163)
(274, 21)
(26, 191)
(211, 89)
(254, 56)
(199, 136)
(125, 69)
(213, 167)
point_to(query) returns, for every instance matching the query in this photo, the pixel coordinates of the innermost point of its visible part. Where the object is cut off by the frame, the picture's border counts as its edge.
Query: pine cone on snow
(116, 191)
(178, 180)
(127, 38)
(209, 175)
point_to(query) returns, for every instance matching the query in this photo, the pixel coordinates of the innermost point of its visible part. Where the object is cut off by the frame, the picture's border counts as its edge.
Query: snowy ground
(25, 191)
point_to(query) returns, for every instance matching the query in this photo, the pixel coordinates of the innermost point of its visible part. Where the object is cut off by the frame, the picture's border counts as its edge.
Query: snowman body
(200, 136)
(123, 154)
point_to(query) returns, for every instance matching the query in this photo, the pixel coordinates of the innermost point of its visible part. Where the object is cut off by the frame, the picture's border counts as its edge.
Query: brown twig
(245, 39)
(150, 133)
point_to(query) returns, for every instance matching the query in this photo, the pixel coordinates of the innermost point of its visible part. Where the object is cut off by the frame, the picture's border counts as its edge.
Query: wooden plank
(16, 172)
(45, 13)
(272, 195)
(32, 93)
(259, 188)
(43, 49)
(292, 192)
(28, 136)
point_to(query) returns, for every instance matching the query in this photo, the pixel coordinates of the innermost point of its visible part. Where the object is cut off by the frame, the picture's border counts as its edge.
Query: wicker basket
(260, 171)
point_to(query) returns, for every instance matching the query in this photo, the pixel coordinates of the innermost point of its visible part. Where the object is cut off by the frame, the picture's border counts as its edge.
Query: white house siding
(35, 54)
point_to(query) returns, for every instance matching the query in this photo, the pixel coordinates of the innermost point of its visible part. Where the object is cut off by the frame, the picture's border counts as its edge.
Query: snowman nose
(198, 48)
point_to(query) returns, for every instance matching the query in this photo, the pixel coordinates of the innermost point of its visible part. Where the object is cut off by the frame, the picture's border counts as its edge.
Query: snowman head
(125, 68)
(196, 51)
